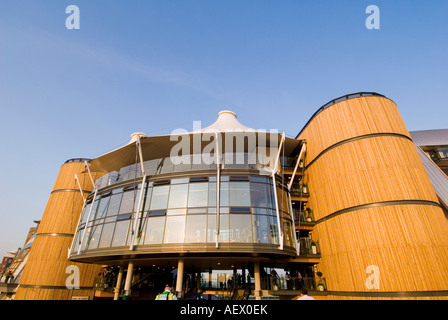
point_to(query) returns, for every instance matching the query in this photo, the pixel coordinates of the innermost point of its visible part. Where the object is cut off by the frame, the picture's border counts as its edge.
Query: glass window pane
(289, 237)
(197, 195)
(180, 180)
(106, 235)
(94, 237)
(114, 204)
(224, 232)
(239, 194)
(148, 198)
(224, 194)
(178, 196)
(102, 207)
(121, 233)
(261, 229)
(159, 197)
(258, 195)
(154, 230)
(212, 194)
(85, 240)
(240, 228)
(86, 212)
(175, 229)
(211, 228)
(176, 212)
(127, 203)
(77, 240)
(273, 230)
(196, 228)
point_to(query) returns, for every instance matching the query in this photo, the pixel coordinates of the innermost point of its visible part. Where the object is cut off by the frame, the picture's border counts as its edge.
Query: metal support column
(257, 281)
(128, 283)
(180, 279)
(274, 172)
(118, 285)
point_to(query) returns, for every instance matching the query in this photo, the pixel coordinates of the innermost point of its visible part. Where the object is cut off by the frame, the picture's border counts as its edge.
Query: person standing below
(166, 294)
(304, 295)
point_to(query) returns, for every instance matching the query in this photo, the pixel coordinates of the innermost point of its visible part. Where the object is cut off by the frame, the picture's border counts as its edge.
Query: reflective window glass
(240, 228)
(212, 194)
(176, 212)
(224, 232)
(121, 233)
(77, 240)
(261, 228)
(273, 230)
(224, 194)
(127, 202)
(197, 195)
(94, 237)
(159, 198)
(288, 230)
(102, 207)
(178, 196)
(196, 228)
(114, 204)
(258, 195)
(106, 235)
(154, 230)
(86, 212)
(211, 228)
(239, 194)
(175, 229)
(148, 198)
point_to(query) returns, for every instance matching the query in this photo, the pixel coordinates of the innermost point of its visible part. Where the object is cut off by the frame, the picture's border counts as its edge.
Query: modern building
(13, 265)
(346, 209)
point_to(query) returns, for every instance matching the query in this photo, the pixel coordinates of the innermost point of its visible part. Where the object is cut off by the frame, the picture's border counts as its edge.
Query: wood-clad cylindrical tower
(379, 225)
(49, 274)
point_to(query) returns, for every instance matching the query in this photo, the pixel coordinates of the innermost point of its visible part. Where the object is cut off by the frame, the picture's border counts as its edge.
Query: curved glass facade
(183, 211)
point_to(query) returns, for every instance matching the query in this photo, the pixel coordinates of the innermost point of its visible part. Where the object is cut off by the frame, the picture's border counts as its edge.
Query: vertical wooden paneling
(407, 242)
(44, 276)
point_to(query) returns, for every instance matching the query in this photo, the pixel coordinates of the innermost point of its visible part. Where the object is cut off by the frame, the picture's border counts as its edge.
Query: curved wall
(45, 276)
(376, 211)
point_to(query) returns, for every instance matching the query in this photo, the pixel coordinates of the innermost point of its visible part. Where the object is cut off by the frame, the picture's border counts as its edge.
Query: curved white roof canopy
(227, 121)
(156, 147)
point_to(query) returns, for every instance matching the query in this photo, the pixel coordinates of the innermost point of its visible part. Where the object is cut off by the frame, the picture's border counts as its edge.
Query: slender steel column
(118, 285)
(180, 278)
(128, 283)
(257, 281)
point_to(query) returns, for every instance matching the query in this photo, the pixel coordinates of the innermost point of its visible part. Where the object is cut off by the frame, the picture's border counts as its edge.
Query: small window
(133, 187)
(124, 217)
(161, 183)
(239, 210)
(239, 178)
(157, 213)
(199, 179)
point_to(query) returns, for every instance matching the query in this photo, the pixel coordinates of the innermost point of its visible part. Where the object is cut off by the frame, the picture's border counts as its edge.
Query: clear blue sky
(154, 66)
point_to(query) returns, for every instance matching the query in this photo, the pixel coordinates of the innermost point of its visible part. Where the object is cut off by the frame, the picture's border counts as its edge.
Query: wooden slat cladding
(352, 118)
(364, 172)
(407, 243)
(48, 258)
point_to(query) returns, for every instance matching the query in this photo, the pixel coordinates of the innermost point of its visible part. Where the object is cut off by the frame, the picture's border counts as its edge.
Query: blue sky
(154, 66)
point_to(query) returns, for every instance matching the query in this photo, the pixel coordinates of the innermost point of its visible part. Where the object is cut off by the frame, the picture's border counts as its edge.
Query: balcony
(304, 219)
